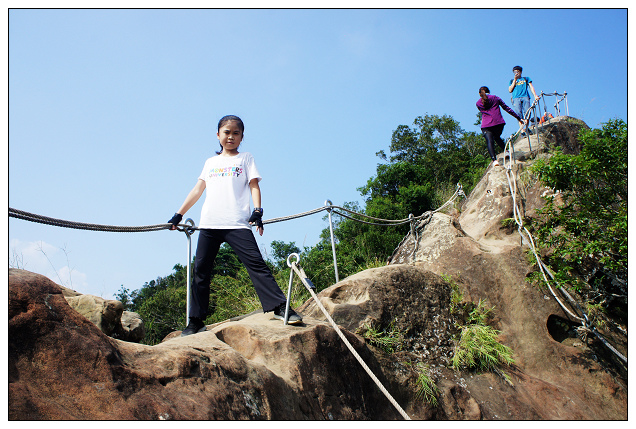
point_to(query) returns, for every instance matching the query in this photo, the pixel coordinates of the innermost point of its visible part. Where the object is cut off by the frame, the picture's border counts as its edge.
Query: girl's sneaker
(293, 318)
(195, 326)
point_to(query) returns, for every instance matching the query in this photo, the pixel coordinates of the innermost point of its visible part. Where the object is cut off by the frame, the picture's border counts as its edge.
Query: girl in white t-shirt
(230, 179)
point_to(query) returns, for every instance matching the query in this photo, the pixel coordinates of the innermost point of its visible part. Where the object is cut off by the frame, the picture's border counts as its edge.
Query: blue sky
(112, 113)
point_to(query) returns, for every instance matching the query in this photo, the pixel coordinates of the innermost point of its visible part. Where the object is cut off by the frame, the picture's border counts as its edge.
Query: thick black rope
(19, 214)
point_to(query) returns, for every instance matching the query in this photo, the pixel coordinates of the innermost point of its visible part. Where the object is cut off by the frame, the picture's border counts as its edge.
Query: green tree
(420, 174)
(163, 313)
(585, 222)
(281, 251)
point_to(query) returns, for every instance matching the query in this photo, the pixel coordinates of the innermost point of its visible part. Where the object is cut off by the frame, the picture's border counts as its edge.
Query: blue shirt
(521, 87)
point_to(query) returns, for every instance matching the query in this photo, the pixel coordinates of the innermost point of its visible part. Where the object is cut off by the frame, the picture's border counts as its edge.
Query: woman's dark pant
(244, 245)
(492, 136)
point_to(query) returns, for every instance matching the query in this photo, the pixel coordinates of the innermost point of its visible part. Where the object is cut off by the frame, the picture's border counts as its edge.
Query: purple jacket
(492, 115)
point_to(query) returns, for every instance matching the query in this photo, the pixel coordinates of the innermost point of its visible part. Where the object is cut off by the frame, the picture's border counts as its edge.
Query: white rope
(303, 279)
(512, 185)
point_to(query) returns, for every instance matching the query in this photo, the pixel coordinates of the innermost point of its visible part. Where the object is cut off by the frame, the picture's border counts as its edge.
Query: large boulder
(104, 313)
(403, 298)
(61, 366)
(107, 314)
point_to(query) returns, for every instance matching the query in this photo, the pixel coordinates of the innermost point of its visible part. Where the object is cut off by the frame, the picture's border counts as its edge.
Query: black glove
(257, 218)
(176, 219)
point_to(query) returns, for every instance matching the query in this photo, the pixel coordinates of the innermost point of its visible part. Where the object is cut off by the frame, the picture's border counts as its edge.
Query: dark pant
(244, 245)
(492, 136)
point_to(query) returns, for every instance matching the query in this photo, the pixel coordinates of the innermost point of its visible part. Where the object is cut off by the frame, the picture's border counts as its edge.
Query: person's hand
(176, 219)
(257, 219)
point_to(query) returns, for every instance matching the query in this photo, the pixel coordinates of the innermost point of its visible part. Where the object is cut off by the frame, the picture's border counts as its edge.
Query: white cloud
(46, 259)
(70, 278)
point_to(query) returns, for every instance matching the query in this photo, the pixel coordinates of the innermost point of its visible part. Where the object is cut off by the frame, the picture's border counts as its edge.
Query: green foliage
(125, 296)
(281, 252)
(456, 294)
(161, 303)
(420, 174)
(231, 297)
(508, 222)
(478, 346)
(163, 313)
(390, 340)
(479, 315)
(426, 388)
(585, 223)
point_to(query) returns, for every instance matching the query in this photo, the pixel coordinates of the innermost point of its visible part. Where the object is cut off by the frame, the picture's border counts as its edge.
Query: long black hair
(229, 118)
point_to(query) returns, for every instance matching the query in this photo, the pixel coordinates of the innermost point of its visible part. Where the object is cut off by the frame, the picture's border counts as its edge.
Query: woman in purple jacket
(492, 123)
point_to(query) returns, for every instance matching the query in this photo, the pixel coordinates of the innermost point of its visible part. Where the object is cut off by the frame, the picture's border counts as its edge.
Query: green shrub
(390, 340)
(479, 348)
(426, 388)
(584, 224)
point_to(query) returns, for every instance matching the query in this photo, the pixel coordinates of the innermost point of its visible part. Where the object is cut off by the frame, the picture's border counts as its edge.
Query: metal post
(289, 289)
(333, 243)
(188, 233)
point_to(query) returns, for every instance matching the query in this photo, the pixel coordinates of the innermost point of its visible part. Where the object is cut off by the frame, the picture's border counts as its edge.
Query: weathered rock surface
(62, 366)
(107, 314)
(554, 377)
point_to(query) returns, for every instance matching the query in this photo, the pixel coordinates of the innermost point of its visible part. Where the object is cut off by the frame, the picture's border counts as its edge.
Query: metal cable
(20, 214)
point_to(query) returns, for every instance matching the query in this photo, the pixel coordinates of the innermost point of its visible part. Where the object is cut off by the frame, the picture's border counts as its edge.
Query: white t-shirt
(227, 191)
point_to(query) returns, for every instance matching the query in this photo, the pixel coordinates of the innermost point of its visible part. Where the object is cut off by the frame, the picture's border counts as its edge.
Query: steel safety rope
(303, 278)
(425, 218)
(526, 237)
(20, 214)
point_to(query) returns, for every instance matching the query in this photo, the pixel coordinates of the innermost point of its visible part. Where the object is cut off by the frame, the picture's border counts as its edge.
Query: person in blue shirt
(519, 86)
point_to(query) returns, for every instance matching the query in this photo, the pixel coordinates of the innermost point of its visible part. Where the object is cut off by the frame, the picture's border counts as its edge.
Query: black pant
(492, 136)
(244, 245)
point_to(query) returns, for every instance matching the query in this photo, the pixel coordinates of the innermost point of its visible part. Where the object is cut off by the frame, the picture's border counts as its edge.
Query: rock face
(62, 366)
(568, 379)
(107, 314)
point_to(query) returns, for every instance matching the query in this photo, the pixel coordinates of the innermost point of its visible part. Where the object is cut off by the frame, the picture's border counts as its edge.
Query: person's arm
(511, 112)
(255, 189)
(512, 85)
(533, 91)
(192, 197)
(190, 200)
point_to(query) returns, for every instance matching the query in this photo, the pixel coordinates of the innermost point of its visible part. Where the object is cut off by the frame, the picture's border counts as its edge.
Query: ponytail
(484, 101)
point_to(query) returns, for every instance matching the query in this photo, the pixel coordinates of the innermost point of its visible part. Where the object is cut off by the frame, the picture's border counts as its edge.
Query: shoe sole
(289, 322)
(197, 332)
